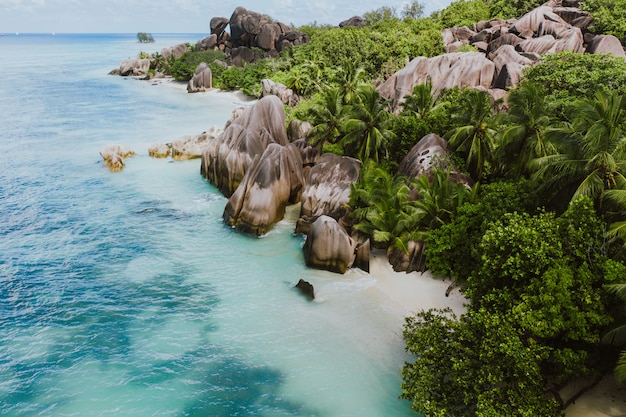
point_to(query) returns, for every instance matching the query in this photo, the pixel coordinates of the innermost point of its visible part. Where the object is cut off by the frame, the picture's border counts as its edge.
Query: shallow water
(124, 294)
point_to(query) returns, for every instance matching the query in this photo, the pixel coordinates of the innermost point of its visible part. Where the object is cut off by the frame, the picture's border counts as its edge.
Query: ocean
(124, 294)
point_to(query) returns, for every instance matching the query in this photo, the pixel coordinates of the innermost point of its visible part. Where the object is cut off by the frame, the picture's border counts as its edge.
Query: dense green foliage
(568, 75)
(463, 13)
(536, 315)
(183, 68)
(609, 16)
(505, 9)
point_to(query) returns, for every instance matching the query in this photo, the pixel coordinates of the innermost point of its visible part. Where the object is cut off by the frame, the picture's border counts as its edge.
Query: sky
(174, 16)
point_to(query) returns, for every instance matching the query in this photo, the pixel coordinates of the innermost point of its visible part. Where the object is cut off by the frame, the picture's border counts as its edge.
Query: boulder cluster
(263, 168)
(504, 49)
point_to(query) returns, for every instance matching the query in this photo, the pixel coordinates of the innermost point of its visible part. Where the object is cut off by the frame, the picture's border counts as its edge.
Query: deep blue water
(124, 294)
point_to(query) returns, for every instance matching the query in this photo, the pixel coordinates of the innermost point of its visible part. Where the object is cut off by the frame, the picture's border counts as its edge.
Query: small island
(144, 37)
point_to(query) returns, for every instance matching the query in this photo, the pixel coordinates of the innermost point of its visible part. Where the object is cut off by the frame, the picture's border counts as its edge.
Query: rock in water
(226, 159)
(328, 246)
(114, 156)
(273, 181)
(306, 288)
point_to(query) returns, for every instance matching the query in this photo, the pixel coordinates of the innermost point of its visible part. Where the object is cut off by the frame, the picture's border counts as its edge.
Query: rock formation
(328, 246)
(505, 49)
(114, 156)
(306, 288)
(159, 150)
(327, 189)
(176, 51)
(134, 67)
(286, 95)
(228, 157)
(428, 153)
(273, 181)
(202, 79)
(356, 21)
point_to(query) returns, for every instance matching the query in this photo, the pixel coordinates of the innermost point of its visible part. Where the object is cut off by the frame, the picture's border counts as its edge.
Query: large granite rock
(355, 21)
(245, 25)
(273, 181)
(226, 159)
(218, 25)
(606, 44)
(134, 67)
(459, 69)
(428, 153)
(207, 44)
(328, 246)
(192, 147)
(202, 79)
(412, 261)
(176, 51)
(286, 95)
(327, 189)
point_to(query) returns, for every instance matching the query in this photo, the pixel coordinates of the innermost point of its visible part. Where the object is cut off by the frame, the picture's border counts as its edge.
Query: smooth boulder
(114, 156)
(328, 246)
(327, 188)
(226, 159)
(273, 182)
(202, 79)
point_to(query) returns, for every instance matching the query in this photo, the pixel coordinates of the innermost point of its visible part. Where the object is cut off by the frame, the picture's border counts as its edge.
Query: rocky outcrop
(606, 44)
(298, 130)
(134, 67)
(218, 25)
(412, 261)
(202, 79)
(327, 189)
(355, 21)
(551, 28)
(459, 69)
(176, 51)
(328, 246)
(192, 147)
(286, 95)
(114, 156)
(226, 160)
(428, 153)
(159, 150)
(207, 44)
(306, 288)
(273, 181)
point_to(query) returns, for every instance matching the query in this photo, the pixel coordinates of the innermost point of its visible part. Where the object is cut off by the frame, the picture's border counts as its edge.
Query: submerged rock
(306, 288)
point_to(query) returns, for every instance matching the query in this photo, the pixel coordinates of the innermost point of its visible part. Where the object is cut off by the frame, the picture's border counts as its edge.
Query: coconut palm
(524, 137)
(367, 130)
(326, 116)
(592, 146)
(421, 102)
(474, 135)
(381, 205)
(351, 78)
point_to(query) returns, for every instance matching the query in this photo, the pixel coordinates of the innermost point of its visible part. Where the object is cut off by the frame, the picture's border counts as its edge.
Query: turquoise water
(124, 294)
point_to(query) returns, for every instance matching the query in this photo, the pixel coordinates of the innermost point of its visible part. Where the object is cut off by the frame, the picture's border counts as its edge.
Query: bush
(183, 68)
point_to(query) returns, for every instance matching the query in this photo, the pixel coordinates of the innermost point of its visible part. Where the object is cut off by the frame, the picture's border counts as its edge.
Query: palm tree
(592, 146)
(368, 127)
(617, 336)
(420, 103)
(474, 136)
(381, 205)
(527, 120)
(326, 117)
(351, 78)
